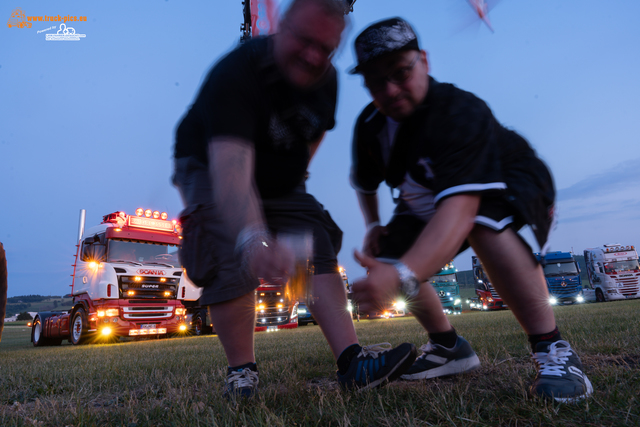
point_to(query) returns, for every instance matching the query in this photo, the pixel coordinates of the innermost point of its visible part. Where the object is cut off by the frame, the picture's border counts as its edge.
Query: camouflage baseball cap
(384, 37)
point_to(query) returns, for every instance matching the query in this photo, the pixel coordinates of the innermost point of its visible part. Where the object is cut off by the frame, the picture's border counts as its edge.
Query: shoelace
(553, 362)
(426, 349)
(244, 378)
(374, 350)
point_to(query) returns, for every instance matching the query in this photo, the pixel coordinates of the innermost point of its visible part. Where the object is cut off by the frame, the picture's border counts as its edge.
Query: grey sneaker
(438, 361)
(376, 365)
(241, 384)
(560, 373)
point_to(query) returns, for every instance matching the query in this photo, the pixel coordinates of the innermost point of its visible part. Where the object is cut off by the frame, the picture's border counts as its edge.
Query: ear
(424, 59)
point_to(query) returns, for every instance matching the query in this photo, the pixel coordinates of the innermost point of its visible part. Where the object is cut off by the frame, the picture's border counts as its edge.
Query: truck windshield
(561, 269)
(620, 266)
(142, 252)
(443, 278)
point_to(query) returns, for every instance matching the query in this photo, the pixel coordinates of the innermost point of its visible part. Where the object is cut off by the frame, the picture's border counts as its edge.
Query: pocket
(197, 251)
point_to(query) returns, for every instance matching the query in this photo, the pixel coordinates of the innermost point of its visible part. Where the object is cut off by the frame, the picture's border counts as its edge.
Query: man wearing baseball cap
(461, 180)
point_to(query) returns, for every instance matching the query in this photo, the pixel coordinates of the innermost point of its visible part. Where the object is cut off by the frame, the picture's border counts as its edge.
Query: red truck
(488, 298)
(276, 307)
(125, 282)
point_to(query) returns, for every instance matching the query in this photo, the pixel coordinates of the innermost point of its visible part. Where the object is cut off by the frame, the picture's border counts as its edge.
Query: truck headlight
(111, 312)
(580, 298)
(553, 301)
(302, 310)
(456, 302)
(181, 311)
(400, 305)
(106, 331)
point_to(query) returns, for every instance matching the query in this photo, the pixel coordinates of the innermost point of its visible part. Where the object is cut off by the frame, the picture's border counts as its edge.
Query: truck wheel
(600, 295)
(37, 335)
(79, 327)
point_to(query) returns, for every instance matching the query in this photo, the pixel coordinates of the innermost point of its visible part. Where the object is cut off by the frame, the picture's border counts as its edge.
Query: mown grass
(178, 382)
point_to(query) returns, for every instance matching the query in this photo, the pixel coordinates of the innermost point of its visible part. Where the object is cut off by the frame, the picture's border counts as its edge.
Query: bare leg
(330, 311)
(428, 311)
(516, 276)
(235, 322)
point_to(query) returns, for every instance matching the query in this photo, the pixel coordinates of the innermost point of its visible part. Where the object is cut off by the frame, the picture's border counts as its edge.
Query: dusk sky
(89, 124)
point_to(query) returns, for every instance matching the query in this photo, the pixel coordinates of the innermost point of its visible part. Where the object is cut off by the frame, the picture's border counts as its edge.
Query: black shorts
(404, 228)
(295, 212)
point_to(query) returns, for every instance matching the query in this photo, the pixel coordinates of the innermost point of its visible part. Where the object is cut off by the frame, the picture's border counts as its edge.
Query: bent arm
(442, 237)
(231, 168)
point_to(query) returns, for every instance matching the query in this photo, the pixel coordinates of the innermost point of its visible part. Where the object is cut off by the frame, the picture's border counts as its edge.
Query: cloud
(619, 177)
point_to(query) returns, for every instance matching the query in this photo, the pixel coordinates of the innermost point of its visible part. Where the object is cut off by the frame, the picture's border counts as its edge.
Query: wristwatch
(409, 283)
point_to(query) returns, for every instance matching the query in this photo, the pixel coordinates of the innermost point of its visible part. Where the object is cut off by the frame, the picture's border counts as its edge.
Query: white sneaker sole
(577, 398)
(452, 368)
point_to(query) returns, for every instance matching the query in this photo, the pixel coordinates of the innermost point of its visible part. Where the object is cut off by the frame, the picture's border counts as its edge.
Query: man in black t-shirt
(463, 180)
(241, 157)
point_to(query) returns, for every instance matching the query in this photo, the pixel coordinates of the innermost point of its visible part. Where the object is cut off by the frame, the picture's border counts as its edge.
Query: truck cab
(125, 282)
(488, 298)
(562, 274)
(276, 307)
(446, 286)
(613, 271)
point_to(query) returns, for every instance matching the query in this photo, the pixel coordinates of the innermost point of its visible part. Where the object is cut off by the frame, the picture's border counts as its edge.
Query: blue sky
(89, 124)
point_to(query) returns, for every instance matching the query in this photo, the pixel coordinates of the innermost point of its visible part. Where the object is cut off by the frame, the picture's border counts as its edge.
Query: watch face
(411, 286)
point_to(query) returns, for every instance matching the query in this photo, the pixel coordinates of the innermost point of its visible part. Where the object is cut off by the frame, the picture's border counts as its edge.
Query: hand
(273, 263)
(379, 288)
(371, 245)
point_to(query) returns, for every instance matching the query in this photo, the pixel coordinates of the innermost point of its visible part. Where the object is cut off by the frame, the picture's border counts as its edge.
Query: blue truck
(446, 285)
(562, 274)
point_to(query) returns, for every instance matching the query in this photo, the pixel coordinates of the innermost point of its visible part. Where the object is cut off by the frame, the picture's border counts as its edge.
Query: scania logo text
(150, 272)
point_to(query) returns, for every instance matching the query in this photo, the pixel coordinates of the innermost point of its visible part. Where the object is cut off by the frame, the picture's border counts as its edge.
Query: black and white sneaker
(377, 364)
(438, 361)
(560, 373)
(241, 384)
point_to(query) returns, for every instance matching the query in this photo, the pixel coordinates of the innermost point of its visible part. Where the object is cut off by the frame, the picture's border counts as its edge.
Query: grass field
(178, 382)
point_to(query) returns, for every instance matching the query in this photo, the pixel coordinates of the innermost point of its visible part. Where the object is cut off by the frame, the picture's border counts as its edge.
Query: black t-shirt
(453, 144)
(245, 96)
(448, 146)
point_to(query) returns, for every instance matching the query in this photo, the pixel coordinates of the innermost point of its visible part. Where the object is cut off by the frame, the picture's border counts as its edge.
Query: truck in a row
(613, 271)
(125, 282)
(446, 286)
(562, 274)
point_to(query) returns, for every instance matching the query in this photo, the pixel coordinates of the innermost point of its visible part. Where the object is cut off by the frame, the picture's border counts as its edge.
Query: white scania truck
(125, 282)
(614, 273)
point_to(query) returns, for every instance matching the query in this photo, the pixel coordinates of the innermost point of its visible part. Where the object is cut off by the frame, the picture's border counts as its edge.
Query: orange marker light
(139, 211)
